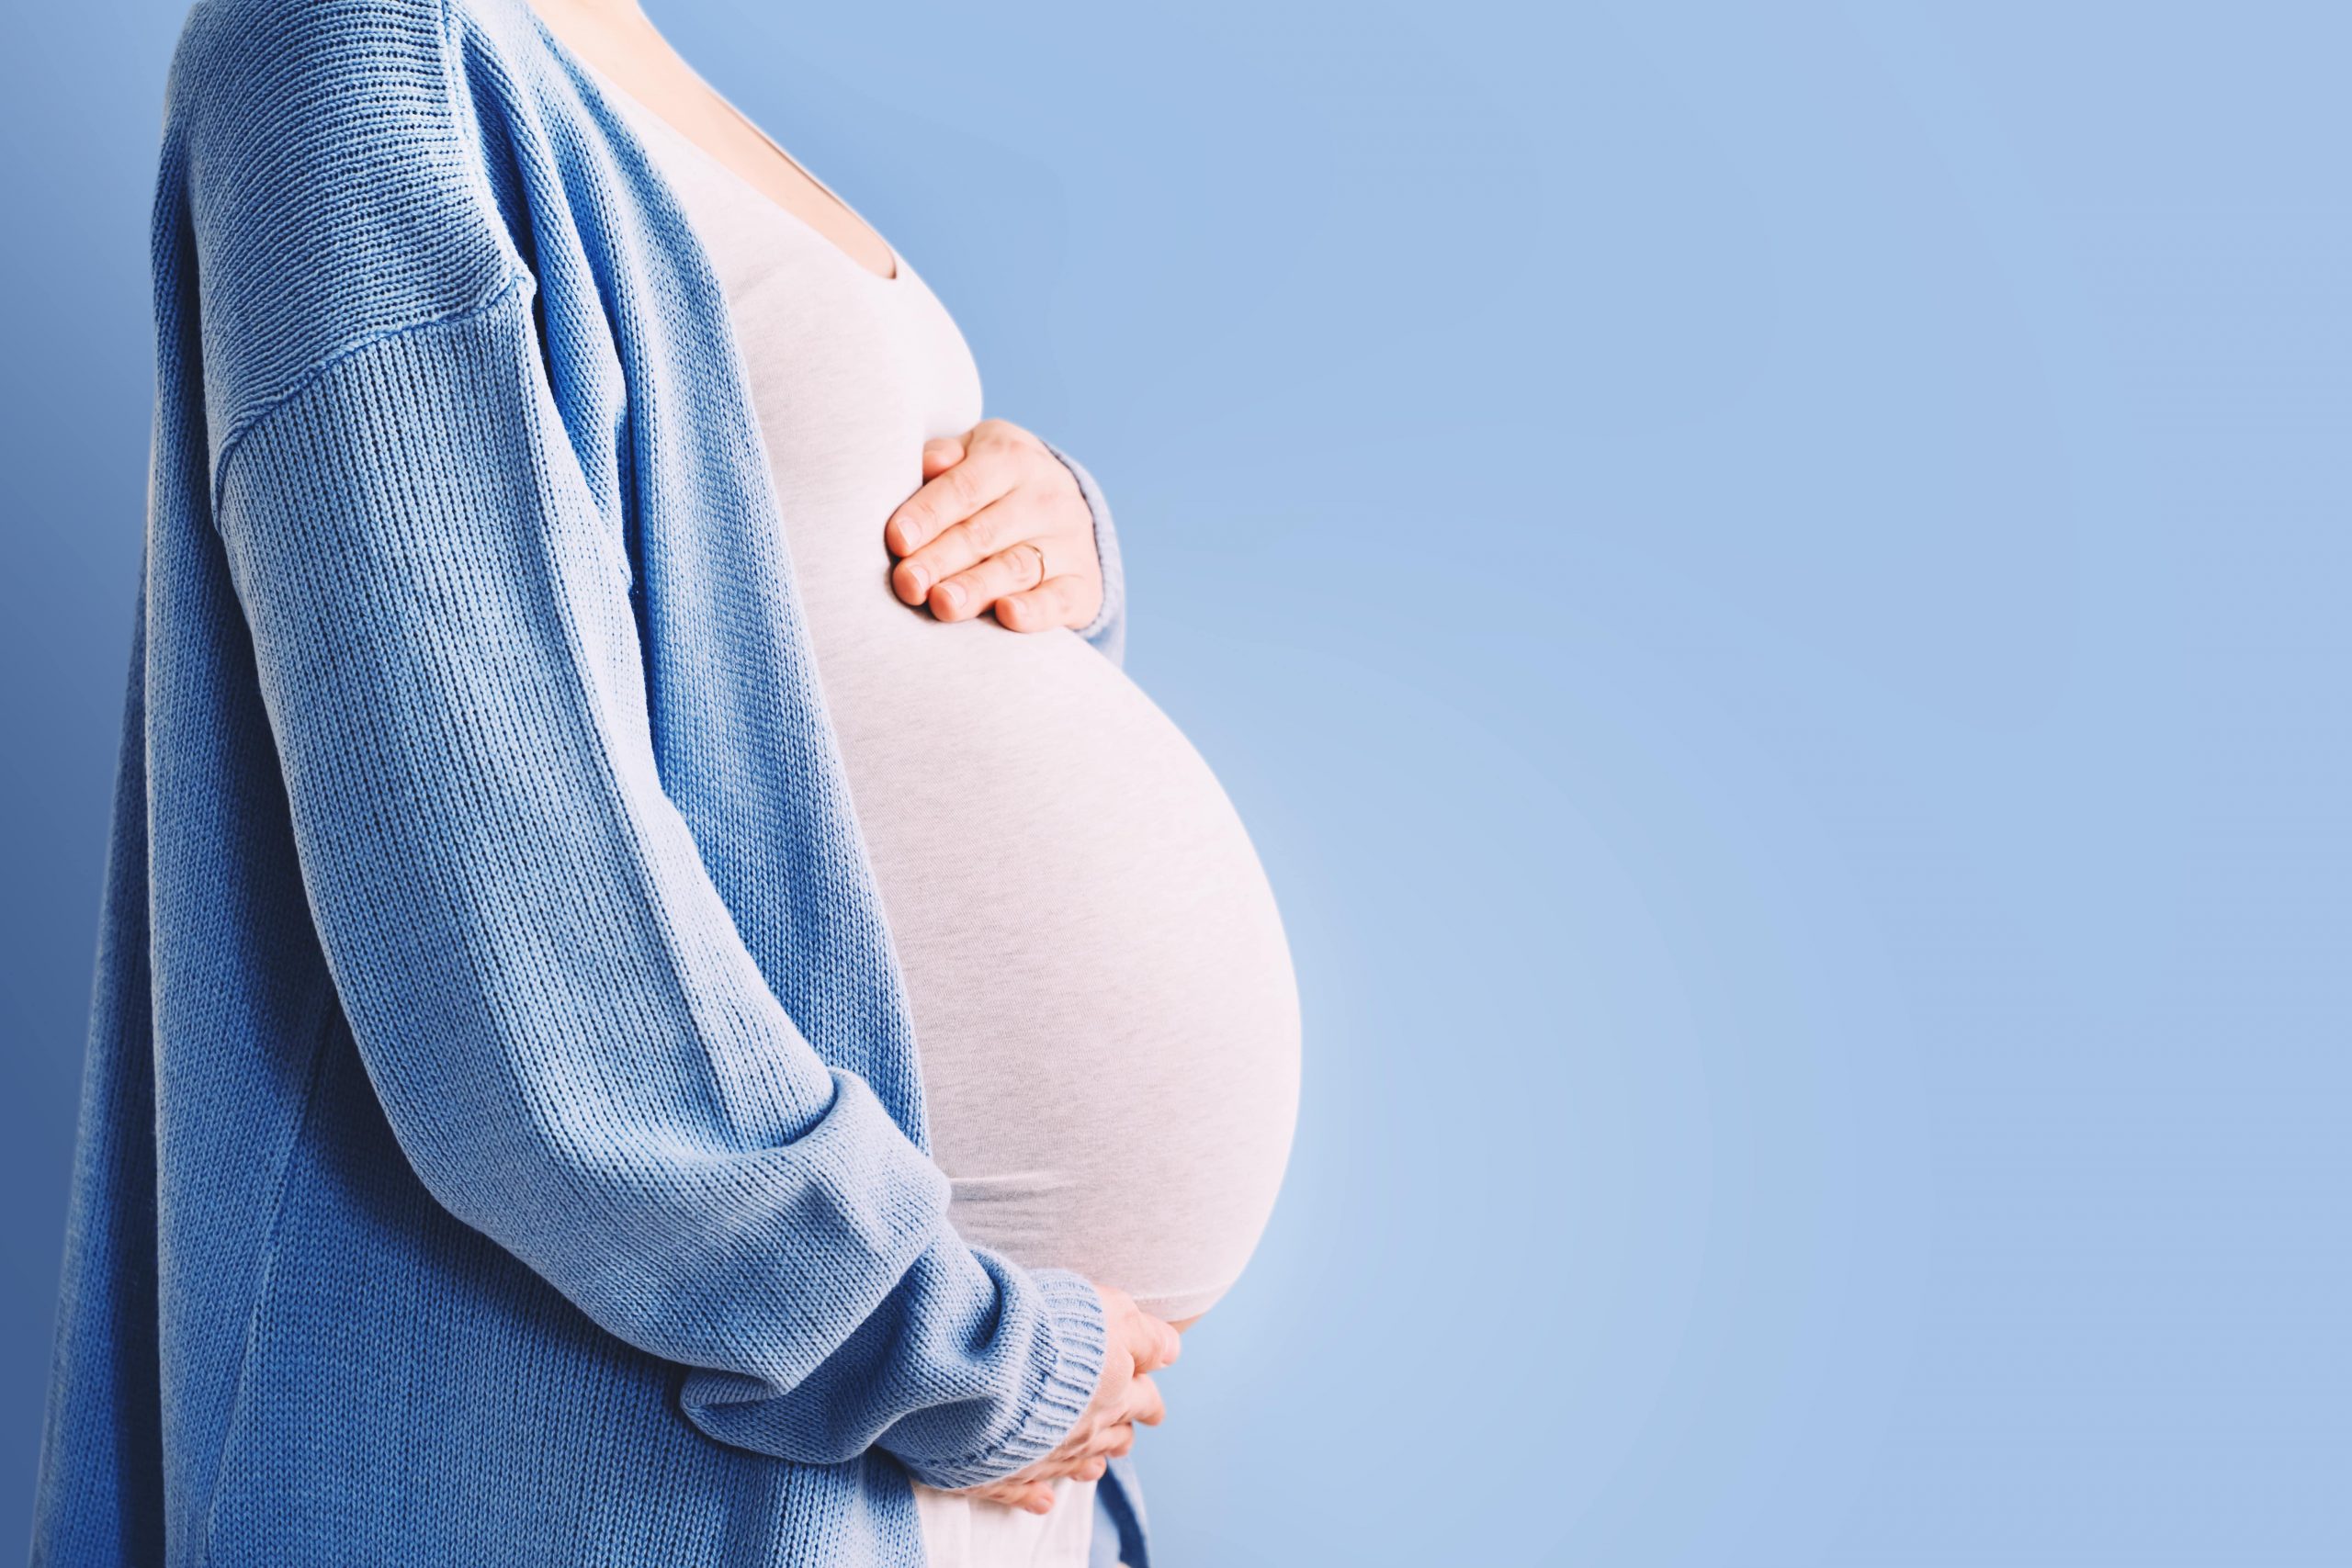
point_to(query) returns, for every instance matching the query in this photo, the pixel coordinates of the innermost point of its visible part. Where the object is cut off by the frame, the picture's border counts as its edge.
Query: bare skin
(620, 40)
(999, 525)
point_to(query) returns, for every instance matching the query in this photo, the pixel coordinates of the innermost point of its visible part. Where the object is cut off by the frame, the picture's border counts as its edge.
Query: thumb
(1152, 1342)
(941, 455)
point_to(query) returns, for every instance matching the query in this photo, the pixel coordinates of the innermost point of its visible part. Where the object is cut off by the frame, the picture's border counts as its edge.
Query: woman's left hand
(999, 523)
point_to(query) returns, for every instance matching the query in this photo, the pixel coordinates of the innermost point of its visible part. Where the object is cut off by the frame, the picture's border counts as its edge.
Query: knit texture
(503, 1139)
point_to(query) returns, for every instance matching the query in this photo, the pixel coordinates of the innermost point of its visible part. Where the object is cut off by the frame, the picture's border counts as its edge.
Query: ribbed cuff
(1060, 1388)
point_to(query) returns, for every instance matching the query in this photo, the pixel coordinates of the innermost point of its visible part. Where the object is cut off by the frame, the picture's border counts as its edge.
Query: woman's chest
(849, 372)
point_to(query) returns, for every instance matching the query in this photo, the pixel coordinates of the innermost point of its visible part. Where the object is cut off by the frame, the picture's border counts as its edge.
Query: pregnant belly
(1102, 991)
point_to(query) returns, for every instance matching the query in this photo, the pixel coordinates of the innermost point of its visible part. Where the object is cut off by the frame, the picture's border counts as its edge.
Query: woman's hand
(999, 523)
(1139, 1345)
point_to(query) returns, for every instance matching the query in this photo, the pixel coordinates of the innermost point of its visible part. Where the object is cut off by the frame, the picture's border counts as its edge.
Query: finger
(996, 525)
(1054, 1466)
(1010, 570)
(1114, 1437)
(955, 494)
(1068, 1465)
(1034, 1496)
(1152, 1342)
(1023, 1494)
(944, 453)
(1070, 599)
(1144, 1404)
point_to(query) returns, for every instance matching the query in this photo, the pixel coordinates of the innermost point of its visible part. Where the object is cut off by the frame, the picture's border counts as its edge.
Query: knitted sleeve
(569, 1039)
(1108, 630)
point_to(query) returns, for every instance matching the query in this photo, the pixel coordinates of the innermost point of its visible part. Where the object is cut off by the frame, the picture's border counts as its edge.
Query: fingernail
(954, 595)
(919, 580)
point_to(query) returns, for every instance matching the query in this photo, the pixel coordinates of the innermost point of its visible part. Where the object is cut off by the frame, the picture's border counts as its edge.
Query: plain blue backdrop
(1771, 585)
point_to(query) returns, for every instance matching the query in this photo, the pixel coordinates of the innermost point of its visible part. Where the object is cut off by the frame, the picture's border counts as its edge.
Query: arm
(570, 1042)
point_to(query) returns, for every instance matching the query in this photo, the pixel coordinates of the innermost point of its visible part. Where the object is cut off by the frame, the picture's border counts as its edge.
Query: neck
(598, 12)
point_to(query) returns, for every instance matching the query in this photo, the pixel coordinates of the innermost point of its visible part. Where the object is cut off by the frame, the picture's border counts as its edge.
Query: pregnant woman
(662, 999)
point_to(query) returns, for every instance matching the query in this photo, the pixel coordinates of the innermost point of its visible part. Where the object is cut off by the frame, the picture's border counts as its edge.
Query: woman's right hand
(1139, 1345)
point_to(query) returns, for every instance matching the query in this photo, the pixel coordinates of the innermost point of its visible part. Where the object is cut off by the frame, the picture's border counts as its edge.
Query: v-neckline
(605, 82)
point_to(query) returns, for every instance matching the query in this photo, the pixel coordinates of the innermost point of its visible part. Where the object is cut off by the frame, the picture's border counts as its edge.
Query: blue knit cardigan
(502, 1140)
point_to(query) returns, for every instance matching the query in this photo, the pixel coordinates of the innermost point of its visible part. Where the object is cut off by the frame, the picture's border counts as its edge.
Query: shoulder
(346, 122)
(334, 179)
(321, 88)
(237, 60)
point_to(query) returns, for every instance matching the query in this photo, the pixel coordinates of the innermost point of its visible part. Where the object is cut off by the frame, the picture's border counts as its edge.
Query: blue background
(1771, 583)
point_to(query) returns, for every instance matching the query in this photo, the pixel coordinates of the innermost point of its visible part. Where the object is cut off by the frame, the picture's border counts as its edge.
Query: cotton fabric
(960, 1532)
(851, 372)
(1101, 985)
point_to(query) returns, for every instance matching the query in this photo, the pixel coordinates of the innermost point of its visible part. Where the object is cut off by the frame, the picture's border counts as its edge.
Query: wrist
(1104, 629)
(1071, 1343)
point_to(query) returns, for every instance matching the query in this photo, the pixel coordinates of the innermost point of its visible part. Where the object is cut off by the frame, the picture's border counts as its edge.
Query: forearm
(945, 1367)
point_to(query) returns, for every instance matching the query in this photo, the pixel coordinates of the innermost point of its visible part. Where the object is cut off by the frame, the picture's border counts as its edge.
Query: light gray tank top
(1103, 996)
